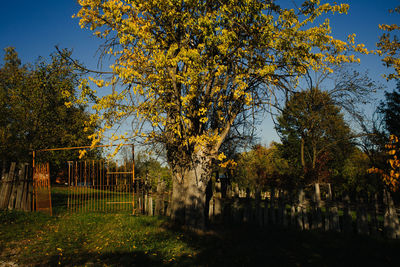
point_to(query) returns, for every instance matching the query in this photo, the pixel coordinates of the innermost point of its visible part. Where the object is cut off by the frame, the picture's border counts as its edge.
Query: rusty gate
(97, 185)
(41, 188)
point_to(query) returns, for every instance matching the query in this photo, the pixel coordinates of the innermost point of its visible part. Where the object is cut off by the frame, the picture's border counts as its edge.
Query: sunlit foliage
(261, 167)
(390, 46)
(390, 176)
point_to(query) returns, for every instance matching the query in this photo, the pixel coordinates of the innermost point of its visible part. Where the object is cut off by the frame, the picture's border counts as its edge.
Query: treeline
(37, 110)
(319, 146)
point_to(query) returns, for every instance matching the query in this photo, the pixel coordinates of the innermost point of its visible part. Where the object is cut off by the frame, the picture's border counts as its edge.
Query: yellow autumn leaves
(186, 68)
(391, 176)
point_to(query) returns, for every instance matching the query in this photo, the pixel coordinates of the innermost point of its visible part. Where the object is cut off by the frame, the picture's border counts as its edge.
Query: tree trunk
(189, 194)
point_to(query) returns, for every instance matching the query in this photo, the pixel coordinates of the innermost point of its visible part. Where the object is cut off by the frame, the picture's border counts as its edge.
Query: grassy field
(120, 239)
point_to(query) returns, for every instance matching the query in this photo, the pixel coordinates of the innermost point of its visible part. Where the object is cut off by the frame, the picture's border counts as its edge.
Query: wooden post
(347, 218)
(266, 212)
(25, 188)
(20, 188)
(284, 211)
(272, 206)
(302, 211)
(391, 221)
(318, 213)
(328, 219)
(14, 189)
(150, 206)
(362, 218)
(374, 216)
(6, 188)
(133, 179)
(146, 204)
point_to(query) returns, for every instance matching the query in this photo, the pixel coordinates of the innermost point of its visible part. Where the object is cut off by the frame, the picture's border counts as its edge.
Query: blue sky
(35, 27)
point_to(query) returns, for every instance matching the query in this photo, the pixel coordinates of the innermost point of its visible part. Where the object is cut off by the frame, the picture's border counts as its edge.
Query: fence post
(14, 190)
(20, 188)
(362, 219)
(300, 214)
(150, 206)
(272, 206)
(293, 214)
(317, 223)
(374, 216)
(266, 211)
(146, 204)
(335, 225)
(391, 221)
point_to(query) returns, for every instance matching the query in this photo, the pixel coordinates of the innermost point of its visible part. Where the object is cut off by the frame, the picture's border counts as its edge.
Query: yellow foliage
(188, 70)
(391, 179)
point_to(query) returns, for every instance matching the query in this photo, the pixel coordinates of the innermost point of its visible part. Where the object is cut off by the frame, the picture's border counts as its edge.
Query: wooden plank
(29, 199)
(20, 187)
(13, 195)
(25, 189)
(3, 186)
(7, 187)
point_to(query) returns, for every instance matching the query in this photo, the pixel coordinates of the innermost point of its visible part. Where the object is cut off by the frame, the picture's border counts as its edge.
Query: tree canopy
(389, 46)
(33, 114)
(314, 134)
(262, 167)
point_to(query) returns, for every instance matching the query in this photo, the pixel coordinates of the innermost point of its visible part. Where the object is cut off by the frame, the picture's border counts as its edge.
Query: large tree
(314, 134)
(33, 114)
(190, 68)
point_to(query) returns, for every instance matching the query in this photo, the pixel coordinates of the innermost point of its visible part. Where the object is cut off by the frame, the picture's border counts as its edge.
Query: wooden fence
(362, 215)
(16, 188)
(374, 216)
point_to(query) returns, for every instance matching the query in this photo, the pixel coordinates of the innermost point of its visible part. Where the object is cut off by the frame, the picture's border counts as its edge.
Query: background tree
(189, 68)
(388, 171)
(152, 171)
(355, 174)
(389, 109)
(33, 111)
(314, 135)
(262, 168)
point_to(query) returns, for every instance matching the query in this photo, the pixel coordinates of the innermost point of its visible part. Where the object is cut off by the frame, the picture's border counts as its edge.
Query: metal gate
(100, 186)
(41, 188)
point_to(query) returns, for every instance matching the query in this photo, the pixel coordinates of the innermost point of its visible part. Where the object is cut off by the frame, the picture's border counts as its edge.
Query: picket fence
(374, 216)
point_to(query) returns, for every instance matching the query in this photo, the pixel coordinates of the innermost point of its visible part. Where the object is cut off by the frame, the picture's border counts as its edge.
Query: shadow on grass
(252, 246)
(105, 259)
(247, 246)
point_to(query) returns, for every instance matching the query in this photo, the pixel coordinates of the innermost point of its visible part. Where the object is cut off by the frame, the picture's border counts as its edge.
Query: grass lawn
(120, 239)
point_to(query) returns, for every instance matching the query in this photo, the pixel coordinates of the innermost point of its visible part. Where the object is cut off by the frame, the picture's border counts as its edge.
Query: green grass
(120, 239)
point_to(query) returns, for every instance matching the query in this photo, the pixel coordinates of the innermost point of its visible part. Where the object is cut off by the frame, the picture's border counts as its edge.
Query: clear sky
(35, 27)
